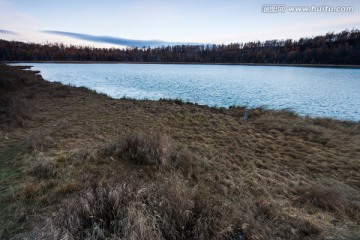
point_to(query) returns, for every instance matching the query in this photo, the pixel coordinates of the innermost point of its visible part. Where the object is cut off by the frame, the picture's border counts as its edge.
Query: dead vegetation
(143, 149)
(340, 200)
(150, 149)
(13, 108)
(166, 209)
(85, 166)
(39, 141)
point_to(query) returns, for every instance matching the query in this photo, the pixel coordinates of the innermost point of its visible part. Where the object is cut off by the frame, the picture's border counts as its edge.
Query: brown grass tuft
(344, 202)
(38, 141)
(31, 190)
(151, 149)
(145, 149)
(44, 170)
(304, 229)
(36, 189)
(185, 161)
(65, 188)
(132, 210)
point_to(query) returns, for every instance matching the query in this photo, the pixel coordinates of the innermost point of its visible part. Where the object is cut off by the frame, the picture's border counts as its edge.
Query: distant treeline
(331, 48)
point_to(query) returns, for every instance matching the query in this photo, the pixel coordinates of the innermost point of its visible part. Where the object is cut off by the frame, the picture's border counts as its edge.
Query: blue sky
(182, 21)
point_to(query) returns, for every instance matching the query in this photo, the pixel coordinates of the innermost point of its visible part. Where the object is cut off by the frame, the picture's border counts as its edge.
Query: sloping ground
(76, 164)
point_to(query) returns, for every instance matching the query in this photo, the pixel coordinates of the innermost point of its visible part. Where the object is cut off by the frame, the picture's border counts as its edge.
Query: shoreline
(196, 63)
(299, 114)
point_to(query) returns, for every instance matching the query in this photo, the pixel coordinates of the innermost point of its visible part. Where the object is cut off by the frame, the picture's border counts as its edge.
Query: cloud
(114, 40)
(7, 32)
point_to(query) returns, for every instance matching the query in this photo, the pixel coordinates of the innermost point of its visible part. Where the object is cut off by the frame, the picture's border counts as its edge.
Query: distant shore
(195, 63)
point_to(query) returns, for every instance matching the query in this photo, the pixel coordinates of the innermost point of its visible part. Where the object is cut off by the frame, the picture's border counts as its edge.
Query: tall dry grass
(14, 107)
(148, 149)
(166, 209)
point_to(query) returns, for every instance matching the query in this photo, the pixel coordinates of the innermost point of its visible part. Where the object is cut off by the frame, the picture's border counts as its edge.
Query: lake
(318, 92)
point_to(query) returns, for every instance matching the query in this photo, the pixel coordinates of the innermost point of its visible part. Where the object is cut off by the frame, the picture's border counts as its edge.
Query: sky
(119, 23)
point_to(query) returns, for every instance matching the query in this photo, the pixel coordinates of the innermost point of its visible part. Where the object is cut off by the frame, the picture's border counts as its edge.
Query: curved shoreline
(329, 112)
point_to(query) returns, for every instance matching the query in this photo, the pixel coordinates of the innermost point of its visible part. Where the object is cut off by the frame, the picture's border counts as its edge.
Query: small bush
(167, 209)
(184, 160)
(44, 170)
(329, 198)
(150, 149)
(145, 149)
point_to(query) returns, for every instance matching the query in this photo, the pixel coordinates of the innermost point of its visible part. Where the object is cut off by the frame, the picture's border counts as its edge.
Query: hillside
(76, 164)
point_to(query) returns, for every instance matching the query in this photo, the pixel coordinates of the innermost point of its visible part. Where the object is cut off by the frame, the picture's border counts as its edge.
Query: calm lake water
(324, 92)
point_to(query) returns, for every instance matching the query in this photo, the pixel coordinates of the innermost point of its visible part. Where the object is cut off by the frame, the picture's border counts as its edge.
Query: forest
(332, 48)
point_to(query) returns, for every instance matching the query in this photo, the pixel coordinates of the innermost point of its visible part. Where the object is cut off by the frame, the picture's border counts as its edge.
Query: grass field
(75, 164)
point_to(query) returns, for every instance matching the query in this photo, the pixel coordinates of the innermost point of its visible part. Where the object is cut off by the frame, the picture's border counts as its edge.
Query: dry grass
(44, 170)
(145, 149)
(341, 200)
(13, 108)
(164, 169)
(38, 141)
(166, 209)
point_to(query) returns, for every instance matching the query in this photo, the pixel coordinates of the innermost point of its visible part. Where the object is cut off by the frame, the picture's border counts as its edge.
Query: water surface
(323, 92)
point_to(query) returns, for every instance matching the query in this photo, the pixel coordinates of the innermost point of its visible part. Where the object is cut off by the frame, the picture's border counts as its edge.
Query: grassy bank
(76, 164)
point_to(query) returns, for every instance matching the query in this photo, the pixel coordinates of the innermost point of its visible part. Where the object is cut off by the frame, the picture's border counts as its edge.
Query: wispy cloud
(7, 32)
(114, 40)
